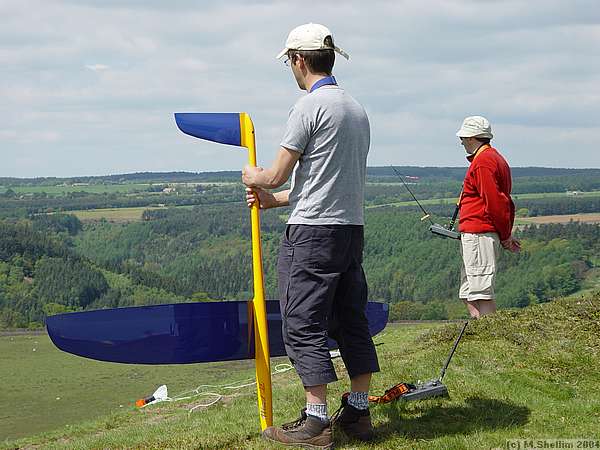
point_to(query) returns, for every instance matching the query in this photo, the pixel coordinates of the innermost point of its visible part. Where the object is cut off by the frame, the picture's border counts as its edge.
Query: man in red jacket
(486, 216)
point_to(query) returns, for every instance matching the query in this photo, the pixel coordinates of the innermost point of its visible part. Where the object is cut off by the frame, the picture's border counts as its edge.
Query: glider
(186, 333)
(179, 333)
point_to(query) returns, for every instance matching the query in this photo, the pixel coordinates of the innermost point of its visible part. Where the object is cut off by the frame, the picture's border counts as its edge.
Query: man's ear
(301, 64)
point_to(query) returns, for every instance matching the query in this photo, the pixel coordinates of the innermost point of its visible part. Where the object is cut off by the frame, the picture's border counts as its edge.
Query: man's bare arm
(282, 197)
(267, 199)
(276, 175)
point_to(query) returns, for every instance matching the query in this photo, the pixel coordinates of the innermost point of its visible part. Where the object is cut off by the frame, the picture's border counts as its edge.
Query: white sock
(360, 400)
(317, 410)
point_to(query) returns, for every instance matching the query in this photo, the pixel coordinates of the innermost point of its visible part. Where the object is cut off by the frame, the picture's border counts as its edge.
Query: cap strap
(342, 52)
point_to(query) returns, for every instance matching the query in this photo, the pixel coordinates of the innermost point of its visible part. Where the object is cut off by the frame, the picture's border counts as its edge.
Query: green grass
(46, 389)
(518, 374)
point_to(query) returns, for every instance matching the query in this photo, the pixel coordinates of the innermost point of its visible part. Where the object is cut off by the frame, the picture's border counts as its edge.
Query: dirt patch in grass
(563, 218)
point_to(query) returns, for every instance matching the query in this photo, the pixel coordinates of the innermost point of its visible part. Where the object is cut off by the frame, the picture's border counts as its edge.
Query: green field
(123, 188)
(51, 390)
(91, 188)
(527, 374)
(555, 195)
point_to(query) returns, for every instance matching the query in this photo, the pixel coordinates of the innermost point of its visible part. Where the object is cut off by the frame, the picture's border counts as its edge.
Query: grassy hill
(526, 374)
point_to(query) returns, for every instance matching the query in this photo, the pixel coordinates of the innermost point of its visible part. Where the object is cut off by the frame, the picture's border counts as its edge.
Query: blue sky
(89, 87)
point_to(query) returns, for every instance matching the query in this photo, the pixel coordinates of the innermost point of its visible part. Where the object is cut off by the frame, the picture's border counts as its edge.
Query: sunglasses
(290, 59)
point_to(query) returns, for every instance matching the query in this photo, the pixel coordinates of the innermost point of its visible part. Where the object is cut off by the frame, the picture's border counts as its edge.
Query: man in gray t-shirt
(322, 287)
(330, 130)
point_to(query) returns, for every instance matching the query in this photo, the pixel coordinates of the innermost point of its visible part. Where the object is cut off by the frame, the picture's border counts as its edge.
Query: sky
(89, 87)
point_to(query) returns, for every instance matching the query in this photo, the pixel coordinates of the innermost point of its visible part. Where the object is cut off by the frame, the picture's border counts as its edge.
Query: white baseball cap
(475, 126)
(310, 36)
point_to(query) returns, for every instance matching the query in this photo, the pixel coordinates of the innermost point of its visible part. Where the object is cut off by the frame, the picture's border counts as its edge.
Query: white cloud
(97, 67)
(95, 83)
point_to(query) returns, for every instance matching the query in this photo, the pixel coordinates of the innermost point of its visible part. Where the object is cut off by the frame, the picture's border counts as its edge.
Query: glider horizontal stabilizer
(223, 128)
(180, 333)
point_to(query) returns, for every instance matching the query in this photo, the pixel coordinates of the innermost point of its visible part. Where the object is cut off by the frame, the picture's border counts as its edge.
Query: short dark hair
(318, 61)
(483, 140)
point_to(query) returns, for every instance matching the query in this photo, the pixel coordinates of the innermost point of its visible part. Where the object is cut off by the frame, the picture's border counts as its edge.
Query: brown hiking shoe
(306, 432)
(355, 423)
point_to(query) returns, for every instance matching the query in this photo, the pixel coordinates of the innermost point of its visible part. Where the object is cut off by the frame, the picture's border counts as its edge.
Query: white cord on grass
(217, 396)
(279, 368)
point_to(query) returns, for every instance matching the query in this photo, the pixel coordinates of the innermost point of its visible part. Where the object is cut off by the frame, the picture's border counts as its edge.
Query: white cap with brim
(475, 126)
(310, 36)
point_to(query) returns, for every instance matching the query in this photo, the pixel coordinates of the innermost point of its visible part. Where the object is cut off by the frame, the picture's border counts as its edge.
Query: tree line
(41, 274)
(207, 250)
(54, 263)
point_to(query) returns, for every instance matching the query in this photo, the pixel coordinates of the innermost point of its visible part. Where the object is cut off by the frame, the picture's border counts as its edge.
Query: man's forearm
(274, 176)
(282, 198)
(268, 179)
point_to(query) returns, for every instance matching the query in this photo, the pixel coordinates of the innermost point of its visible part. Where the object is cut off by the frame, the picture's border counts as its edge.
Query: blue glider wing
(181, 333)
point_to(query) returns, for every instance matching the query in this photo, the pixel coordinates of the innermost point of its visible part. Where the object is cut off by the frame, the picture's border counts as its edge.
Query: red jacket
(485, 205)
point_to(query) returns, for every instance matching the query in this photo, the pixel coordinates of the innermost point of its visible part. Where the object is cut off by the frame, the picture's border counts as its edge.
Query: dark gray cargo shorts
(323, 293)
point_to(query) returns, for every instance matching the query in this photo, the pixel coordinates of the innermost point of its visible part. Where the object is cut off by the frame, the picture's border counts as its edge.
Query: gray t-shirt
(331, 131)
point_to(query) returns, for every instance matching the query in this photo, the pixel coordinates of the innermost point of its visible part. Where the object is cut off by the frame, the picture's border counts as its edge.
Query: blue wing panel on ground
(181, 333)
